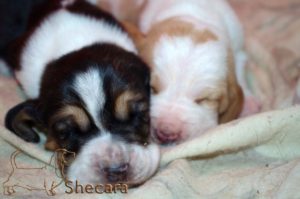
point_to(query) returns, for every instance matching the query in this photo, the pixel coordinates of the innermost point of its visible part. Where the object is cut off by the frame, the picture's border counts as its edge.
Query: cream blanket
(253, 157)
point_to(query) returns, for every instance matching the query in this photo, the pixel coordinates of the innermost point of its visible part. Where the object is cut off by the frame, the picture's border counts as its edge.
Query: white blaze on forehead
(182, 64)
(89, 86)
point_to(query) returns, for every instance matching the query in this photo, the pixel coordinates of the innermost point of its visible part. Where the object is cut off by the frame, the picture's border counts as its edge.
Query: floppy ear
(135, 34)
(22, 119)
(231, 103)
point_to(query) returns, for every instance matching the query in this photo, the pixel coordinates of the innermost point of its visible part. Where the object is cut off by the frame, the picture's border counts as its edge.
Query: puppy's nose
(116, 173)
(167, 134)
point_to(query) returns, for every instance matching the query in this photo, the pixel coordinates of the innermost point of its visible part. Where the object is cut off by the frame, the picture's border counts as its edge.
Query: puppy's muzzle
(166, 136)
(168, 132)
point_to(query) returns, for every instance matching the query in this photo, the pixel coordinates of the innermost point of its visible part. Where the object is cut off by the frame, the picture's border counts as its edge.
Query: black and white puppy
(88, 90)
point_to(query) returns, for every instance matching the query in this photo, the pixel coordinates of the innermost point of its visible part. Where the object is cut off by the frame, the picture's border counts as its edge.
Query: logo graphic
(44, 178)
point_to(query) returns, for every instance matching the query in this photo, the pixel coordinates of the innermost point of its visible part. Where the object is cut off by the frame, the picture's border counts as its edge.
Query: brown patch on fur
(173, 28)
(179, 29)
(231, 103)
(122, 104)
(78, 115)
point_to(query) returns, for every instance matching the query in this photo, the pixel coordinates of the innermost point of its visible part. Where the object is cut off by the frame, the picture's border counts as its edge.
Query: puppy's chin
(106, 160)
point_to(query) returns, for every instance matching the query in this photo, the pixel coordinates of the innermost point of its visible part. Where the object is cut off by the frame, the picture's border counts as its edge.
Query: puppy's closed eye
(63, 128)
(209, 97)
(59, 132)
(201, 100)
(76, 114)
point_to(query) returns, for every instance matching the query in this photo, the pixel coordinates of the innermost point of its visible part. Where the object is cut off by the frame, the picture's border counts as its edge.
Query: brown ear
(231, 103)
(136, 35)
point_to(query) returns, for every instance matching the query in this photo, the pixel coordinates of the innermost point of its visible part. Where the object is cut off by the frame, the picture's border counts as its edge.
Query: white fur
(104, 151)
(185, 69)
(179, 60)
(89, 86)
(62, 33)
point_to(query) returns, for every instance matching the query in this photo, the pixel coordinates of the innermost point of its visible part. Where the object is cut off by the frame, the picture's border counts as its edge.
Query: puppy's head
(94, 102)
(192, 78)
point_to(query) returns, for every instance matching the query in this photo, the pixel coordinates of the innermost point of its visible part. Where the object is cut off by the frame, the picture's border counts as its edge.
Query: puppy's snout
(167, 133)
(116, 173)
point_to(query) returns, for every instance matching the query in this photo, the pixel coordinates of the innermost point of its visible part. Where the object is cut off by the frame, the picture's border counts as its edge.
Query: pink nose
(166, 133)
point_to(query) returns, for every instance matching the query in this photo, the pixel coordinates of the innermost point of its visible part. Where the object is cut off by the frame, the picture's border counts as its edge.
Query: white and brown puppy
(192, 47)
(88, 89)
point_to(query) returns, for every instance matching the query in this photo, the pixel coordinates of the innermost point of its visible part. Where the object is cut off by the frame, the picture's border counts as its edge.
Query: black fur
(14, 17)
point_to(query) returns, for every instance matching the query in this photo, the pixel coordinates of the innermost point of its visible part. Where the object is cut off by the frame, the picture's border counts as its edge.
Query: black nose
(116, 173)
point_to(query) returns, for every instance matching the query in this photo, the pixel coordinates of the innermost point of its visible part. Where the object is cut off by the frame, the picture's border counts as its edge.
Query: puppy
(88, 90)
(192, 48)
(26, 177)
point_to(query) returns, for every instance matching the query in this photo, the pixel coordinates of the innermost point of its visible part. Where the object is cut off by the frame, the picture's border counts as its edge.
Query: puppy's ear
(135, 34)
(231, 103)
(22, 119)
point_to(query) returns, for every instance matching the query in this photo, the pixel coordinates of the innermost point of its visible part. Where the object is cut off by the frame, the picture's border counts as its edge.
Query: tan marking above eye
(122, 108)
(77, 113)
(209, 96)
